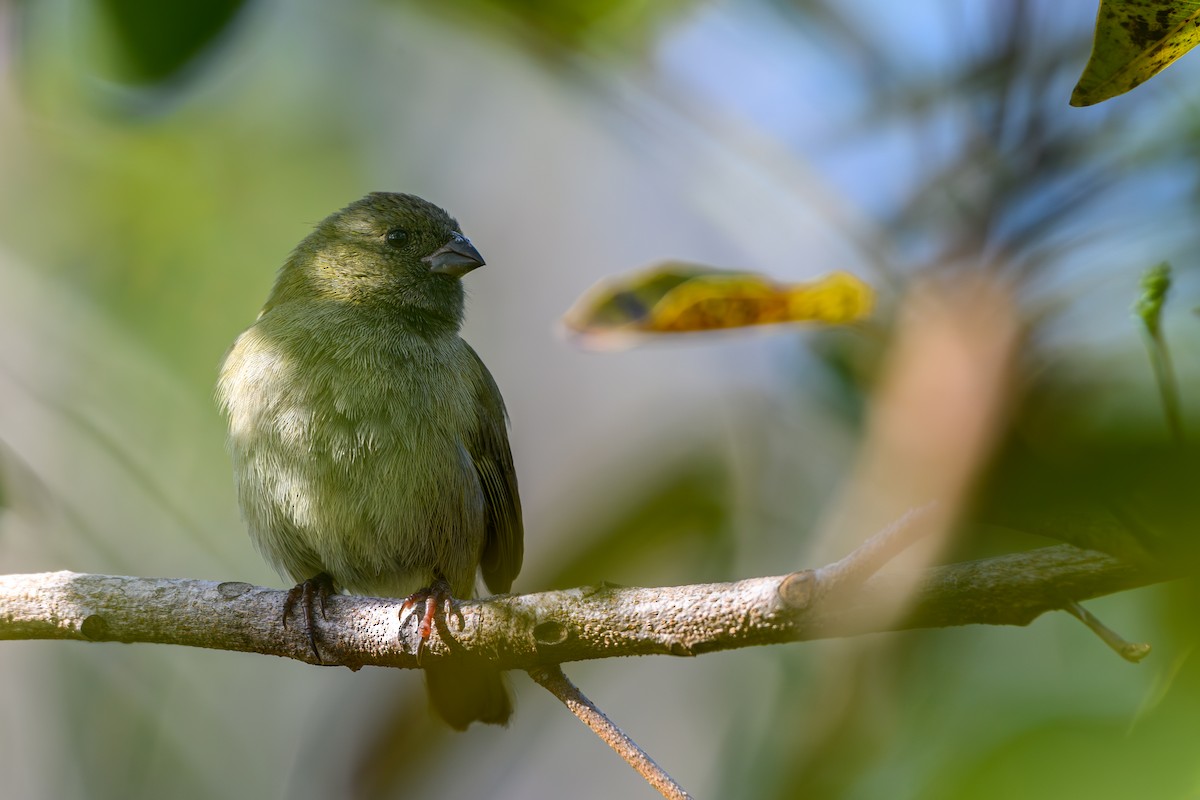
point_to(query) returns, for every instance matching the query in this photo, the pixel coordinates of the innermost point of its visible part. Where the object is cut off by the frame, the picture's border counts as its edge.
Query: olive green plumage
(368, 439)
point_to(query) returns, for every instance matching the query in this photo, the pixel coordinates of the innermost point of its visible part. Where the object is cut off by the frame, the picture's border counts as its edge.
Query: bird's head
(388, 252)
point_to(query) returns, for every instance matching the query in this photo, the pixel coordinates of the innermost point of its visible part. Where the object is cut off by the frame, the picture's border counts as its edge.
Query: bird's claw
(432, 596)
(316, 590)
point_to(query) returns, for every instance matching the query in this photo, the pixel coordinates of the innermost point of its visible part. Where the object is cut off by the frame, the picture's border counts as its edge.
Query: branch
(554, 681)
(533, 630)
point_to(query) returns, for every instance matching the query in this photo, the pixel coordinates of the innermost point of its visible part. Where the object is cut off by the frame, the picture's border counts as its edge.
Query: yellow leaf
(1134, 41)
(718, 301)
(681, 298)
(834, 300)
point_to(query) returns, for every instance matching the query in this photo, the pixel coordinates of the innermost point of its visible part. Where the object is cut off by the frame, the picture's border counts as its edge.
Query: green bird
(368, 440)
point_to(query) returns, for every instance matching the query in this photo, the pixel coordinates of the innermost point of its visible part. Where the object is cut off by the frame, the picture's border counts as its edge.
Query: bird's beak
(456, 257)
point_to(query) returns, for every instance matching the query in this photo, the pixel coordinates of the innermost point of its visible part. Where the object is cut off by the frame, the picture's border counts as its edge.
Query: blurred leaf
(677, 526)
(1134, 500)
(676, 297)
(622, 26)
(1090, 756)
(156, 41)
(1135, 40)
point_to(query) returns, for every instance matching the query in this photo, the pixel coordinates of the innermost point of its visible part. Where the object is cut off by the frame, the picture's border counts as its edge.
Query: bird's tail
(462, 694)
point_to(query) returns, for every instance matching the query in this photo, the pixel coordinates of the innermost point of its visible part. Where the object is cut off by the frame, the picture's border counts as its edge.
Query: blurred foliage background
(158, 161)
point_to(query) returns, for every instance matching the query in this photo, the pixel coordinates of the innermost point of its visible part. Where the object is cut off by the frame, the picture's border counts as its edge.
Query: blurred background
(159, 161)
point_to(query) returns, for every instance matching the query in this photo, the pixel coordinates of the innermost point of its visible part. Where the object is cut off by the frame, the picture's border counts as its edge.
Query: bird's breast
(352, 460)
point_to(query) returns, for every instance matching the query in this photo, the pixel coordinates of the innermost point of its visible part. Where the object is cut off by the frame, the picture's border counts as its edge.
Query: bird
(369, 442)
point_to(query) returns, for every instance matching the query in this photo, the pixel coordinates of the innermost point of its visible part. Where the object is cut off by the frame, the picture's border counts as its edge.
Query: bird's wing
(503, 546)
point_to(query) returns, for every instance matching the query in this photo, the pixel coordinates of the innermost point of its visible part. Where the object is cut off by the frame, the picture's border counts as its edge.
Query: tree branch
(528, 631)
(554, 681)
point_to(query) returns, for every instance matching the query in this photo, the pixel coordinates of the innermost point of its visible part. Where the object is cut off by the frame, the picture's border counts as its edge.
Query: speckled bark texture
(526, 631)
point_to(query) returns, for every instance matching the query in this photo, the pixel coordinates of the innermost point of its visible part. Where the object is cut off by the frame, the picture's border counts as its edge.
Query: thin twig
(557, 683)
(871, 556)
(1130, 651)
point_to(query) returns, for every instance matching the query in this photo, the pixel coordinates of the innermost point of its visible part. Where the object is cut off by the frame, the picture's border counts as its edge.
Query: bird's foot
(309, 594)
(435, 595)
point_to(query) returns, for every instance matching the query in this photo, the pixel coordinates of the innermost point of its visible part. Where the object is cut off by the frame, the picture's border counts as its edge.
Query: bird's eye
(396, 236)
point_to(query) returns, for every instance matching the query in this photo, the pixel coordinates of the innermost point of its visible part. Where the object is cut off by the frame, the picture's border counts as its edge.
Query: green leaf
(1135, 40)
(158, 40)
(1135, 500)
